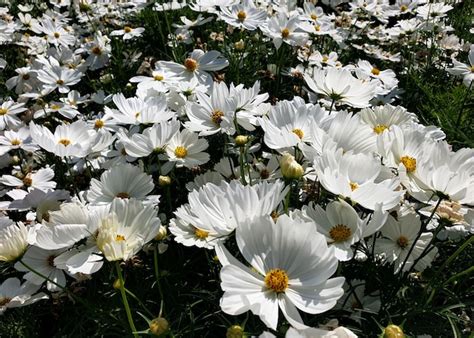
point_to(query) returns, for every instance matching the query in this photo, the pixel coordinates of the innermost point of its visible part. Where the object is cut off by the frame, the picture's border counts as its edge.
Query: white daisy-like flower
(399, 236)
(14, 294)
(41, 179)
(53, 76)
(8, 111)
(186, 149)
(281, 29)
(121, 181)
(75, 139)
(13, 239)
(214, 211)
(340, 86)
(126, 228)
(12, 140)
(291, 266)
(42, 261)
(128, 32)
(464, 70)
(381, 118)
(243, 15)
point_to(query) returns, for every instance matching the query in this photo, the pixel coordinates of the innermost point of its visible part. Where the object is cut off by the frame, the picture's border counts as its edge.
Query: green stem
(242, 168)
(462, 273)
(461, 111)
(124, 300)
(287, 198)
(157, 275)
(139, 301)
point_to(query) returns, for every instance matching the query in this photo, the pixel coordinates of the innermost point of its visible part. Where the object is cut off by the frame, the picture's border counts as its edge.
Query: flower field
(237, 168)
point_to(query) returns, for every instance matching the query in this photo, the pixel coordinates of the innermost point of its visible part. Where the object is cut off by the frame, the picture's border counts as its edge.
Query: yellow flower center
(277, 280)
(56, 35)
(216, 117)
(15, 142)
(96, 50)
(241, 16)
(181, 152)
(317, 28)
(375, 71)
(379, 128)
(285, 32)
(27, 181)
(200, 234)
(325, 59)
(298, 133)
(3, 111)
(158, 77)
(4, 301)
(60, 82)
(403, 8)
(64, 141)
(409, 163)
(119, 238)
(353, 185)
(26, 77)
(314, 16)
(190, 64)
(123, 195)
(98, 124)
(402, 242)
(127, 29)
(55, 106)
(340, 233)
(472, 69)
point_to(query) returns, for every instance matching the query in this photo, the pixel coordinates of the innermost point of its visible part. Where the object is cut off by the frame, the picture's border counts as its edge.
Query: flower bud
(164, 181)
(393, 331)
(117, 284)
(290, 169)
(239, 45)
(241, 140)
(162, 232)
(158, 326)
(235, 331)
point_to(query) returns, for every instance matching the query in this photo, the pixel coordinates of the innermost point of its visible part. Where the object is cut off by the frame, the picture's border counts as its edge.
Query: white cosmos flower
(14, 294)
(127, 227)
(342, 226)
(20, 139)
(381, 118)
(128, 32)
(121, 181)
(197, 66)
(187, 149)
(214, 211)
(214, 113)
(8, 111)
(340, 86)
(53, 76)
(291, 266)
(359, 177)
(243, 15)
(464, 70)
(75, 139)
(281, 29)
(399, 236)
(41, 179)
(42, 261)
(152, 139)
(13, 239)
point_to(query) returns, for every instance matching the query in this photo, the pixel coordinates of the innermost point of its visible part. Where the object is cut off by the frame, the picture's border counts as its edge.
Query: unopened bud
(393, 331)
(164, 181)
(239, 45)
(290, 169)
(162, 232)
(235, 331)
(241, 140)
(117, 284)
(158, 326)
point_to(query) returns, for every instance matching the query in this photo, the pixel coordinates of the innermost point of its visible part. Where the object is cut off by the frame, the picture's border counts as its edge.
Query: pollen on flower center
(340, 233)
(375, 71)
(59, 82)
(190, 64)
(64, 141)
(285, 32)
(27, 181)
(98, 124)
(472, 69)
(353, 185)
(119, 238)
(298, 133)
(216, 116)
(402, 242)
(96, 50)
(123, 195)
(127, 29)
(409, 163)
(56, 35)
(15, 142)
(403, 8)
(241, 16)
(181, 152)
(4, 301)
(277, 280)
(51, 260)
(201, 234)
(158, 77)
(379, 129)
(3, 111)
(317, 28)
(314, 16)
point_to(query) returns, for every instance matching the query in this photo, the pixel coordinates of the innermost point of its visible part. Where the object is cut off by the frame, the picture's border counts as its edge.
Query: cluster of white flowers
(338, 173)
